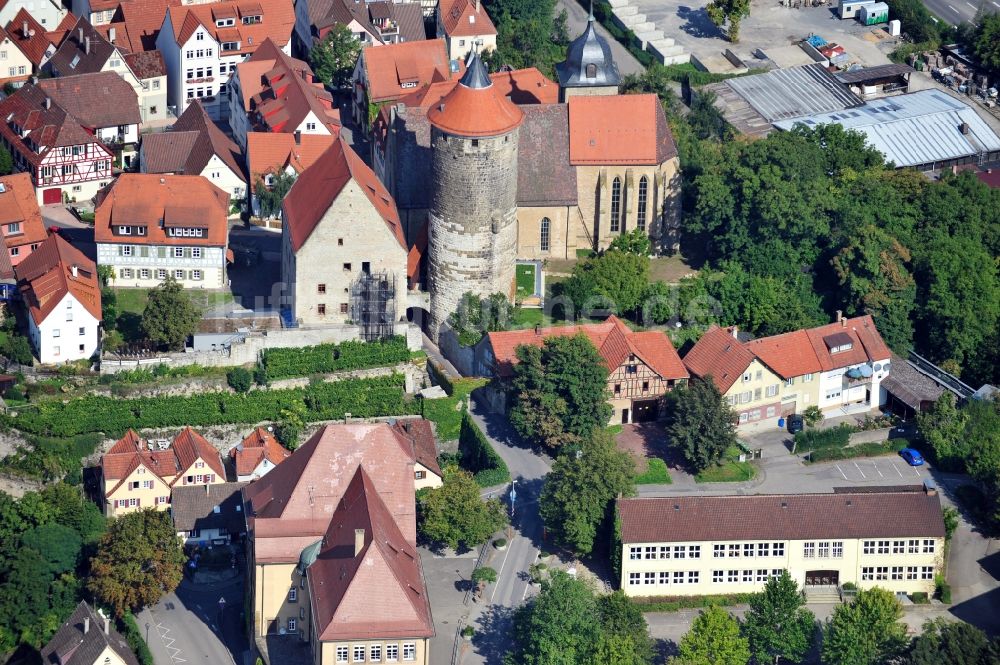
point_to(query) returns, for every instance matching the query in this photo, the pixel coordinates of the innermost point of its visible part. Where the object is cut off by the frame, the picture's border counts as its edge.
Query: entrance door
(822, 577)
(624, 416)
(50, 196)
(644, 411)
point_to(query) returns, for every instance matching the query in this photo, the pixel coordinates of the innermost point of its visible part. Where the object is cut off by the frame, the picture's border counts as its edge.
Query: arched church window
(616, 205)
(544, 232)
(643, 196)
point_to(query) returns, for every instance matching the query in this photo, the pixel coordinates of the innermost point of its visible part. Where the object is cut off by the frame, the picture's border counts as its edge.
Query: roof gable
(54, 271)
(389, 66)
(720, 355)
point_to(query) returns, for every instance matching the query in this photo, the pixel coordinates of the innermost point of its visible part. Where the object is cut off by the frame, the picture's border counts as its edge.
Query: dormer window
(225, 23)
(230, 46)
(252, 20)
(838, 342)
(124, 230)
(592, 71)
(408, 84)
(842, 348)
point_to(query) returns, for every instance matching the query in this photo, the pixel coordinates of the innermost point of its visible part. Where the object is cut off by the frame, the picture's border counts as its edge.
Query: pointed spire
(590, 18)
(475, 76)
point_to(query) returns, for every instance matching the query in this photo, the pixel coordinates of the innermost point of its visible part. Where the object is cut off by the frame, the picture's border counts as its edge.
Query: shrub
(919, 597)
(484, 574)
(849, 586)
(823, 438)
(670, 604)
(468, 631)
(130, 631)
(870, 449)
(478, 456)
(239, 379)
(942, 589)
(812, 415)
(500, 542)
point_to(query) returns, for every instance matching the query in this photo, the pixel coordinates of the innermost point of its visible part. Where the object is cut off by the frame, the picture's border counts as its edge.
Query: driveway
(186, 626)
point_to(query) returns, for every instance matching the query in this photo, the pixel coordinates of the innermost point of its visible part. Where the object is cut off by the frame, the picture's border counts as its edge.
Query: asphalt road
(185, 627)
(959, 11)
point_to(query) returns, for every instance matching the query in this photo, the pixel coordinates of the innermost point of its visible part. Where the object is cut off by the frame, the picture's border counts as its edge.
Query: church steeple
(589, 67)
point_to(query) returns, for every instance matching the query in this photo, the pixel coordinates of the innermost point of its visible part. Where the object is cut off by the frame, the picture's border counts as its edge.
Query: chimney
(24, 29)
(107, 625)
(298, 137)
(86, 45)
(843, 322)
(840, 315)
(79, 36)
(359, 541)
(74, 270)
(48, 102)
(111, 35)
(735, 332)
(477, 6)
(964, 127)
(86, 625)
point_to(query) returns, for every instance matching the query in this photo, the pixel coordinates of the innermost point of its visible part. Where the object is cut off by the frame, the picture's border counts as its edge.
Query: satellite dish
(878, 367)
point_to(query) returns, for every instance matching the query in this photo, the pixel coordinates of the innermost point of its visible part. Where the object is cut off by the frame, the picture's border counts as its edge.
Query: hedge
(478, 456)
(369, 397)
(870, 449)
(130, 631)
(814, 439)
(669, 604)
(326, 358)
(440, 376)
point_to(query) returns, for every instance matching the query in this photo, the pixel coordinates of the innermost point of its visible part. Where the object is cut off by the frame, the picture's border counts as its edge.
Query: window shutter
(119, 250)
(162, 251)
(187, 252)
(138, 502)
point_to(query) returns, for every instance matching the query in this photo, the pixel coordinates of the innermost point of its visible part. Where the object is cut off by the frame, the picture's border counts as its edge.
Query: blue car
(912, 457)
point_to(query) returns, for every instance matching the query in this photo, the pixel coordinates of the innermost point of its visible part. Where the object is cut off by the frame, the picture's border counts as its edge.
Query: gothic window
(641, 216)
(545, 229)
(616, 205)
(592, 71)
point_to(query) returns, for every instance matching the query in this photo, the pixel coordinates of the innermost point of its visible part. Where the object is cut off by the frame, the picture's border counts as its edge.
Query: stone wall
(473, 220)
(248, 352)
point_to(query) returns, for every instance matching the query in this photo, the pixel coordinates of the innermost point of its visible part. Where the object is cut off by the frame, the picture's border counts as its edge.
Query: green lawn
(656, 473)
(134, 300)
(528, 318)
(446, 412)
(727, 472)
(525, 279)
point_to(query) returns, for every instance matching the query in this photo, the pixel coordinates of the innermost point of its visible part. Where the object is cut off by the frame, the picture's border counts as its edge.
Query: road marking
(168, 643)
(953, 9)
(859, 470)
(916, 472)
(503, 563)
(897, 469)
(877, 469)
(971, 5)
(997, 4)
(841, 471)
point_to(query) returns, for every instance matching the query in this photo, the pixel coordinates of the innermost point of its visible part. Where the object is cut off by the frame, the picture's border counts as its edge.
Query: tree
(618, 278)
(701, 424)
(17, 348)
(239, 379)
(875, 279)
(557, 627)
(778, 626)
(578, 491)
(986, 42)
(943, 427)
(456, 515)
(334, 57)
(477, 316)
(6, 161)
(57, 546)
(138, 560)
(625, 635)
(731, 12)
(529, 34)
(944, 642)
(291, 421)
(714, 639)
(170, 316)
(269, 197)
(865, 632)
(560, 391)
(635, 241)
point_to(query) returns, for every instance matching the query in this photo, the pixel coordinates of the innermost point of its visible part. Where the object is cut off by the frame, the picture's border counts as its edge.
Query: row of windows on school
(823, 549)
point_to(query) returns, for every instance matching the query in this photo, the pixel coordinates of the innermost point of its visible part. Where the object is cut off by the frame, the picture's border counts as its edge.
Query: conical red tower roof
(474, 108)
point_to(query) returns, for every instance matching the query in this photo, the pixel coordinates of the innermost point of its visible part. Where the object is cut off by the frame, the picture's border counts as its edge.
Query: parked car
(795, 423)
(912, 457)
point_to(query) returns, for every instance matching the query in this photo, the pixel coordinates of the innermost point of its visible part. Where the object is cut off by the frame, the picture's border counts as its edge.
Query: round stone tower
(472, 229)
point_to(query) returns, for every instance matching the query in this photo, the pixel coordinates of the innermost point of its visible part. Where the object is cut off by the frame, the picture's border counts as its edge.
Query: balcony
(204, 79)
(858, 376)
(389, 29)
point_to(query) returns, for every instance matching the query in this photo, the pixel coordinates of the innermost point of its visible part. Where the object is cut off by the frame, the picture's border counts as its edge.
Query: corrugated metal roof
(910, 130)
(874, 73)
(794, 92)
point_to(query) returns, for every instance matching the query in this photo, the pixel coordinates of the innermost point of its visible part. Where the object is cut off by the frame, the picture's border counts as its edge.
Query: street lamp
(513, 495)
(147, 632)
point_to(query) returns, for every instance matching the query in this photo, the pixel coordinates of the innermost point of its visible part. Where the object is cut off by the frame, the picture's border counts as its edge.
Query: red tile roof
(613, 339)
(521, 86)
(255, 448)
(143, 199)
(130, 451)
(54, 270)
(143, 20)
(417, 436)
(720, 355)
(390, 66)
(788, 355)
(595, 139)
(273, 153)
(18, 204)
(475, 111)
(98, 99)
(277, 24)
(465, 18)
(291, 506)
(901, 513)
(146, 64)
(167, 152)
(866, 343)
(319, 186)
(372, 589)
(35, 43)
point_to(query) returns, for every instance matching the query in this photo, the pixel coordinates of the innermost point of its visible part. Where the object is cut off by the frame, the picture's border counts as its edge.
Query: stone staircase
(652, 39)
(829, 595)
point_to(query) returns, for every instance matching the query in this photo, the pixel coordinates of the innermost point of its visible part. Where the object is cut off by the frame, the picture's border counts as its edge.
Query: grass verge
(656, 473)
(446, 412)
(727, 472)
(670, 604)
(525, 277)
(871, 449)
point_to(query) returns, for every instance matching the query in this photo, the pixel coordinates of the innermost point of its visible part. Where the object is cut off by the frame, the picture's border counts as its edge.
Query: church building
(586, 168)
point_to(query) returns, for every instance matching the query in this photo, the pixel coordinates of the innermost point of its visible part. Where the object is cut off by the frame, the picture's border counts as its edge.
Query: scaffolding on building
(373, 305)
